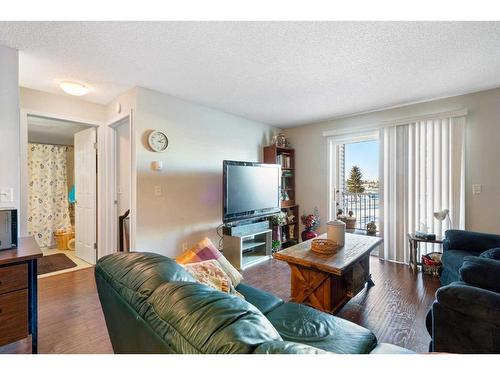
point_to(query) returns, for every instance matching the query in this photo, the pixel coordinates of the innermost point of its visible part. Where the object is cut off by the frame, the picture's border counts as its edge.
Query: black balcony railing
(365, 207)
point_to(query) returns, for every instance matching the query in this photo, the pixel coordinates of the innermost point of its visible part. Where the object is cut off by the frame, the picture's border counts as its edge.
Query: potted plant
(311, 223)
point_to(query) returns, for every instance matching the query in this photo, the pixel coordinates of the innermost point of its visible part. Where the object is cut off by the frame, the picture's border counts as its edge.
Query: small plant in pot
(311, 223)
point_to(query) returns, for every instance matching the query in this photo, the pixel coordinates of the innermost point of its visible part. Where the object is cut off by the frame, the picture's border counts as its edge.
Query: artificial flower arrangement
(278, 219)
(311, 221)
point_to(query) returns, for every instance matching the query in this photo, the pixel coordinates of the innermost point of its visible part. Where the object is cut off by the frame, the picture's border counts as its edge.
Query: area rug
(53, 263)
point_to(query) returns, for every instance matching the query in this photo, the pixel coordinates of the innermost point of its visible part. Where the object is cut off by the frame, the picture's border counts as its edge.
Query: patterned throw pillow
(210, 273)
(205, 250)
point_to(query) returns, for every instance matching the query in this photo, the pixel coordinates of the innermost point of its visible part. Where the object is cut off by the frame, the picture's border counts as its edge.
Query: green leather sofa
(152, 305)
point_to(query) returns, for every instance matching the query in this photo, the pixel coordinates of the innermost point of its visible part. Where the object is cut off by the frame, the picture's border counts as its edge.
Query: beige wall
(61, 105)
(9, 124)
(482, 153)
(200, 138)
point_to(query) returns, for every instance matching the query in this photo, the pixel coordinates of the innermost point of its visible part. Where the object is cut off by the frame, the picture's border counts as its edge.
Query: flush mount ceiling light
(74, 88)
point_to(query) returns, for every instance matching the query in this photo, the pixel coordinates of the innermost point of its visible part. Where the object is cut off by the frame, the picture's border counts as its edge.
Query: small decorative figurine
(371, 228)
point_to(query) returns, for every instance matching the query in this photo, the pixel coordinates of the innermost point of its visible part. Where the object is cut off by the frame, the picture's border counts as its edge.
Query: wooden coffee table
(328, 282)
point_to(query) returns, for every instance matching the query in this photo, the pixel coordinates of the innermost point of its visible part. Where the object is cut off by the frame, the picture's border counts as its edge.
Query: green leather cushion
(303, 324)
(384, 348)
(286, 347)
(194, 318)
(264, 301)
(136, 275)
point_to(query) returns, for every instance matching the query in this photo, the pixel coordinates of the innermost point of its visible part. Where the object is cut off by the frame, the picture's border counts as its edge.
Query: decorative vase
(308, 234)
(277, 233)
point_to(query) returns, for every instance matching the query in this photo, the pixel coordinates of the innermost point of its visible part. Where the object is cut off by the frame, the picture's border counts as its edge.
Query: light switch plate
(157, 190)
(476, 189)
(6, 195)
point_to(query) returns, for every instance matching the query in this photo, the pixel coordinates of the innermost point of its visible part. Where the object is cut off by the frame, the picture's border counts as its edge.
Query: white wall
(9, 124)
(200, 138)
(482, 212)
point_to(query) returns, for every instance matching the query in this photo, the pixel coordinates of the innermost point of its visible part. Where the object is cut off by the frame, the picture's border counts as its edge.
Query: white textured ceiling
(280, 73)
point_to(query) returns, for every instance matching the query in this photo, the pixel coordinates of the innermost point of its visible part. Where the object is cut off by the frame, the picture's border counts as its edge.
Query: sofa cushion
(384, 348)
(452, 260)
(481, 272)
(303, 324)
(473, 242)
(210, 273)
(264, 301)
(206, 250)
(136, 275)
(491, 253)
(286, 347)
(194, 318)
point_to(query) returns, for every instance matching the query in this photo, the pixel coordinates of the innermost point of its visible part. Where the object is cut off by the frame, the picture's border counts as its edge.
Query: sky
(365, 156)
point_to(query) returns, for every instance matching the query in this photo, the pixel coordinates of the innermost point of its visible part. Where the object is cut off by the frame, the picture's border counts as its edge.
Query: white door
(86, 195)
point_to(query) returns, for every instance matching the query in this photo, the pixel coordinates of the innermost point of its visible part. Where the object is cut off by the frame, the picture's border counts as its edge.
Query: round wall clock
(158, 141)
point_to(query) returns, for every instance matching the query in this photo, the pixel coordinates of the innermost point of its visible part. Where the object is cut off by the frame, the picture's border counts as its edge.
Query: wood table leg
(369, 281)
(33, 304)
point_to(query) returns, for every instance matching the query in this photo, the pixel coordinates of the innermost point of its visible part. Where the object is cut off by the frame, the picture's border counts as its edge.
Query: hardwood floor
(71, 319)
(394, 309)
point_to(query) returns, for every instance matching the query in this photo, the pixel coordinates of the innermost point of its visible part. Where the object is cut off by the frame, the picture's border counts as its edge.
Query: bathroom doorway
(61, 192)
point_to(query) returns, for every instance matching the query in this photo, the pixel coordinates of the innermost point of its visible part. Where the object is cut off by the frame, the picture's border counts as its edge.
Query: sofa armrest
(472, 301)
(470, 241)
(481, 272)
(465, 319)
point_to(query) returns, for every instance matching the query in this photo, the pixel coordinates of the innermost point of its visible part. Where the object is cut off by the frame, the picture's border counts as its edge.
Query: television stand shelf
(246, 250)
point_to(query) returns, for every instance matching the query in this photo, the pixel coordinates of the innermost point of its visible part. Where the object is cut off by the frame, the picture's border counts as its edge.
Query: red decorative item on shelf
(311, 222)
(308, 234)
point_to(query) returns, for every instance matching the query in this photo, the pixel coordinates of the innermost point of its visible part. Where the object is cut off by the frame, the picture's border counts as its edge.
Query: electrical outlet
(157, 190)
(476, 189)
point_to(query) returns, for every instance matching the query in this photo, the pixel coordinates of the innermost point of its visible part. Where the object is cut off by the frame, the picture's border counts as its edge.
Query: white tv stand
(249, 249)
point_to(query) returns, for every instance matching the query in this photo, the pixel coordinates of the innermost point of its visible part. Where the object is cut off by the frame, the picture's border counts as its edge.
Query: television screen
(250, 190)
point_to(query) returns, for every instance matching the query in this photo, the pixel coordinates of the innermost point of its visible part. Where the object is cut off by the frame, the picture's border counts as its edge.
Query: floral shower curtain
(48, 192)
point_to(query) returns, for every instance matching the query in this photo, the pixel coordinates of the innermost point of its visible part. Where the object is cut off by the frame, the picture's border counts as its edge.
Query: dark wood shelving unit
(285, 156)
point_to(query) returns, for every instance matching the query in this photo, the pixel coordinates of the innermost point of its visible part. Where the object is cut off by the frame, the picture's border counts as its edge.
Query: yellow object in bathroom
(71, 244)
(63, 237)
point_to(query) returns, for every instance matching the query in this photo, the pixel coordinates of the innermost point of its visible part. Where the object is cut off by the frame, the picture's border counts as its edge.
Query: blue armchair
(459, 244)
(465, 318)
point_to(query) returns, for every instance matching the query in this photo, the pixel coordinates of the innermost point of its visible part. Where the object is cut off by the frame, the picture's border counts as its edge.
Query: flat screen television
(251, 190)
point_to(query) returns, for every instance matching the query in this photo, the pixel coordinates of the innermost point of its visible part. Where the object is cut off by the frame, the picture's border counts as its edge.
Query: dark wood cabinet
(18, 293)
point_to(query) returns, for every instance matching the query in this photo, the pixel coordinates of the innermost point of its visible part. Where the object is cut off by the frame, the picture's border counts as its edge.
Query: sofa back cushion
(135, 276)
(473, 242)
(194, 318)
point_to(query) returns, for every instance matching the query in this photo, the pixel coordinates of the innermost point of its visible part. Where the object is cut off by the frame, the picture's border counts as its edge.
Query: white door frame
(101, 175)
(111, 163)
(112, 193)
(334, 143)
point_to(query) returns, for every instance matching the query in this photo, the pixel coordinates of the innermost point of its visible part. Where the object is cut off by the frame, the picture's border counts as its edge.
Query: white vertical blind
(423, 172)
